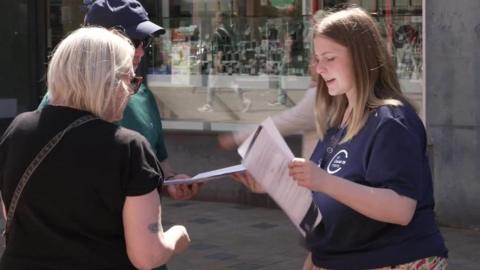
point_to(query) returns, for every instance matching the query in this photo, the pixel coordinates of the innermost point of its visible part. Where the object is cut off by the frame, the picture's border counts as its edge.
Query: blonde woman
(369, 173)
(92, 202)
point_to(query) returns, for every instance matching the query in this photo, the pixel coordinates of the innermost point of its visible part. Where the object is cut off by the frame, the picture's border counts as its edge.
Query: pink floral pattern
(430, 263)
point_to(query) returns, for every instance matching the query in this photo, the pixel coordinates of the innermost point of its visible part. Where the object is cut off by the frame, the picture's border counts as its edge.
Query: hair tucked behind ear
(374, 74)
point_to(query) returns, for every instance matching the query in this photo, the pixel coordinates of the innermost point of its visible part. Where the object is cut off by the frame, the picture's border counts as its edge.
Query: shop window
(226, 63)
(230, 62)
(262, 67)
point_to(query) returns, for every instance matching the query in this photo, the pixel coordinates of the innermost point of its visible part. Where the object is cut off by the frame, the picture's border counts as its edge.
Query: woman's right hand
(307, 174)
(247, 180)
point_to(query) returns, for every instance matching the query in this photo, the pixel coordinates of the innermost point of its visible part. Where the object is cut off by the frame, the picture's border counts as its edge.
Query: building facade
(227, 64)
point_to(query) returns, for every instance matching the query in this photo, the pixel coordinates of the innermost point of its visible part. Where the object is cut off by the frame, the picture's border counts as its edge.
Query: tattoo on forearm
(155, 227)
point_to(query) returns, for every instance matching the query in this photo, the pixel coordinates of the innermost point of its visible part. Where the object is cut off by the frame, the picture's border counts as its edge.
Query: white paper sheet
(266, 156)
(207, 176)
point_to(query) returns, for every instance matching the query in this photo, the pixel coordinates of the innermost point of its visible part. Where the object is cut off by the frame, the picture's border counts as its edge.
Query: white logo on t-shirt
(337, 162)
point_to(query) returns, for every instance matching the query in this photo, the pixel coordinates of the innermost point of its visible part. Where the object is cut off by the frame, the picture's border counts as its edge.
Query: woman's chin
(332, 92)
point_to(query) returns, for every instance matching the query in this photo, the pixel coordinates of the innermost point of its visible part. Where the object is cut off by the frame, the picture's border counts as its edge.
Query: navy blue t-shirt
(388, 152)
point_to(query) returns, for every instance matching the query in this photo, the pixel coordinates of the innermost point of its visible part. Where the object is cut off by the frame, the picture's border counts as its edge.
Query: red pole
(389, 24)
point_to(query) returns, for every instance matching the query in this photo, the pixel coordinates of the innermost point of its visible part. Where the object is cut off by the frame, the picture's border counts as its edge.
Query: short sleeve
(396, 159)
(144, 170)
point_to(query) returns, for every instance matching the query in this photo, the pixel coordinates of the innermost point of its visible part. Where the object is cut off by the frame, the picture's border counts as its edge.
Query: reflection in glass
(253, 61)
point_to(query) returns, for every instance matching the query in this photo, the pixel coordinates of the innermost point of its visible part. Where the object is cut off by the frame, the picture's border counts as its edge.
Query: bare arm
(147, 244)
(299, 118)
(381, 204)
(377, 203)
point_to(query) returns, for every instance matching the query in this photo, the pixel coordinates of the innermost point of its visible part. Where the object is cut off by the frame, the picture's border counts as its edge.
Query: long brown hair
(376, 82)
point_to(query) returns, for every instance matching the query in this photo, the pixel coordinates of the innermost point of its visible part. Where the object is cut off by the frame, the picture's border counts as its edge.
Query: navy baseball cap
(128, 14)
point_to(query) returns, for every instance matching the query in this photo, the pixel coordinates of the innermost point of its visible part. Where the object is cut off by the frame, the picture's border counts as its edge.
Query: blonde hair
(84, 70)
(374, 75)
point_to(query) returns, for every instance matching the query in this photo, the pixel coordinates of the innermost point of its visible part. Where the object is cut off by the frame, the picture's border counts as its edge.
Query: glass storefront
(223, 63)
(226, 63)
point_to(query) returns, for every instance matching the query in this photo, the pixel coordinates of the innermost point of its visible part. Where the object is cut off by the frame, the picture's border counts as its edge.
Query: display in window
(240, 61)
(408, 51)
(224, 61)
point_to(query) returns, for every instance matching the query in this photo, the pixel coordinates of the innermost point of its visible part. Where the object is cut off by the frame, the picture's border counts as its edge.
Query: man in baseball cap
(141, 113)
(128, 14)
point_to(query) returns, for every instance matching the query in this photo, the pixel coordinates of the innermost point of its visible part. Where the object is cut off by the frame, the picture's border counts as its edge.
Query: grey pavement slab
(245, 237)
(241, 237)
(233, 236)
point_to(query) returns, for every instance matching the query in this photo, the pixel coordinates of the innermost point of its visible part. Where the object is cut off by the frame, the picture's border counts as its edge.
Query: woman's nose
(320, 69)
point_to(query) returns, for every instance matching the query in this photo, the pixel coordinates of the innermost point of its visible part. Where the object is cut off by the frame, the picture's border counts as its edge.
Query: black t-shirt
(222, 42)
(70, 213)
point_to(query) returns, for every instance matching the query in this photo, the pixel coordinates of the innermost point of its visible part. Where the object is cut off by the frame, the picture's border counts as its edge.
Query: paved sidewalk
(233, 236)
(236, 236)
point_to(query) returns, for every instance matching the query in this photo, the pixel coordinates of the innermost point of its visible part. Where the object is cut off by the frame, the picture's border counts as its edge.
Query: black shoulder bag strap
(33, 166)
